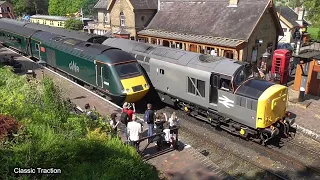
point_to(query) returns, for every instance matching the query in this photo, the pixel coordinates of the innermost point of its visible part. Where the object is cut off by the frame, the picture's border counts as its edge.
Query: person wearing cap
(131, 109)
(114, 124)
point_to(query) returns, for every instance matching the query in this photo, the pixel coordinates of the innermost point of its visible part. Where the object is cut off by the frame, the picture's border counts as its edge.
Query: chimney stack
(233, 3)
(300, 16)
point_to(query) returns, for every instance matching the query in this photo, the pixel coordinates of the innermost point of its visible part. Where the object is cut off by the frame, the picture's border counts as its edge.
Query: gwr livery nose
(135, 88)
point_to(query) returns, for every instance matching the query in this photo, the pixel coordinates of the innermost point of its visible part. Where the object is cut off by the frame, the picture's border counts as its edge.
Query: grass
(314, 33)
(52, 137)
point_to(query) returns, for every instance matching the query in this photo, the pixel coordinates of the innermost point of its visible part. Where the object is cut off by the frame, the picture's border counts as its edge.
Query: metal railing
(159, 138)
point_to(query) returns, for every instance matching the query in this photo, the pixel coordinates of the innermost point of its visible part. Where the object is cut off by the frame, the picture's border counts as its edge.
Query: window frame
(37, 47)
(122, 19)
(194, 88)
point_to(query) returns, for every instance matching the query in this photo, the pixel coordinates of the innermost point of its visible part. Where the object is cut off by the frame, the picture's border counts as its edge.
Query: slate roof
(144, 4)
(2, 2)
(57, 18)
(212, 18)
(289, 14)
(101, 4)
(192, 38)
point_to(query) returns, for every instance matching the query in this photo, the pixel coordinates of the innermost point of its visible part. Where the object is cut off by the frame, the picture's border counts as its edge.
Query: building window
(122, 19)
(142, 18)
(59, 23)
(196, 87)
(106, 18)
(8, 9)
(38, 21)
(51, 22)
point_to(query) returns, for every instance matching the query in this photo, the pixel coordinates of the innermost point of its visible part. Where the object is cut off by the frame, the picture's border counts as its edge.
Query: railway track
(265, 162)
(231, 162)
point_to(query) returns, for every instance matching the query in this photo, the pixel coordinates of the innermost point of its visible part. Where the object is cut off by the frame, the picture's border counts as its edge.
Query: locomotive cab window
(161, 71)
(128, 70)
(225, 84)
(37, 47)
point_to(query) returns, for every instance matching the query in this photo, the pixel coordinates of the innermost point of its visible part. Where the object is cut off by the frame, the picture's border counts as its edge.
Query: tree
(73, 24)
(22, 7)
(313, 11)
(63, 7)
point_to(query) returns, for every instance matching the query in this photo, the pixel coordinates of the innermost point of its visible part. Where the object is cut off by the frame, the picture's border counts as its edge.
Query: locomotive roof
(13, 21)
(199, 61)
(16, 28)
(73, 46)
(63, 32)
(59, 31)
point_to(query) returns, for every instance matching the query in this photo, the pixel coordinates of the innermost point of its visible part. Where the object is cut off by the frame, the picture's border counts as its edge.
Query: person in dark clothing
(149, 119)
(114, 124)
(160, 120)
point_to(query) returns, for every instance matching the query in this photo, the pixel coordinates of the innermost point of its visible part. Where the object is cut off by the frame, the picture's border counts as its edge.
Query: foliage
(53, 137)
(313, 9)
(73, 24)
(22, 7)
(314, 33)
(63, 7)
(290, 3)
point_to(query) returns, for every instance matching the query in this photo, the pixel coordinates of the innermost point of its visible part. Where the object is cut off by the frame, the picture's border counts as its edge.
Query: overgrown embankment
(38, 130)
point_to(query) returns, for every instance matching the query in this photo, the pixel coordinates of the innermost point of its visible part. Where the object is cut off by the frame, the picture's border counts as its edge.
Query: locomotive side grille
(137, 88)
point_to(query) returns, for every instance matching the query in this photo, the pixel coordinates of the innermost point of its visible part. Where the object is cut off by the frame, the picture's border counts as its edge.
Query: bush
(52, 137)
(314, 33)
(73, 24)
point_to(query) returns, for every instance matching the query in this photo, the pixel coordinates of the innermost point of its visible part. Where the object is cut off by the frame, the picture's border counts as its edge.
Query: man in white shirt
(134, 130)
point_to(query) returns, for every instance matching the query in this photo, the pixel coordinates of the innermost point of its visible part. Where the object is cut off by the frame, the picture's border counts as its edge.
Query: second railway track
(249, 159)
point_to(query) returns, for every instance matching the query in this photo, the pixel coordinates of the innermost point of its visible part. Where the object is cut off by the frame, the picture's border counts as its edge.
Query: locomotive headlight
(146, 86)
(124, 91)
(127, 90)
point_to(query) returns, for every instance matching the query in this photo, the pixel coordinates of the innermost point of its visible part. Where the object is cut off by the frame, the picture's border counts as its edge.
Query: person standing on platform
(134, 130)
(149, 119)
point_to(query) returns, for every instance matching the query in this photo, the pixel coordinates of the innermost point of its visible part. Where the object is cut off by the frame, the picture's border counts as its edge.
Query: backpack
(124, 118)
(146, 116)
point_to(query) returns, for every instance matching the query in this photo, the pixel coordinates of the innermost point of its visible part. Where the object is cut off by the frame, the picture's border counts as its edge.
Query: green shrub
(314, 33)
(52, 137)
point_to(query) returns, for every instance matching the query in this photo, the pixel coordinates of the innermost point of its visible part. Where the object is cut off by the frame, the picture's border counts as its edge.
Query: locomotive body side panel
(183, 82)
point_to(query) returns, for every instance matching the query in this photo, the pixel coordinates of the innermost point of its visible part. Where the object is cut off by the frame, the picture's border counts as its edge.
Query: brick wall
(122, 6)
(143, 18)
(265, 30)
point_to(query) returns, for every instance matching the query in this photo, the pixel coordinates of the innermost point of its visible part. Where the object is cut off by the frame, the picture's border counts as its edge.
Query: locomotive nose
(135, 88)
(272, 105)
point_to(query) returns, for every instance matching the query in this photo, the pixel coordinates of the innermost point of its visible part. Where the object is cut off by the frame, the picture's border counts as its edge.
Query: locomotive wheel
(264, 136)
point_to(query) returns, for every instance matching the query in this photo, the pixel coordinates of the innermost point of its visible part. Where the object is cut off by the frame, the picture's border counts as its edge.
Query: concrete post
(305, 70)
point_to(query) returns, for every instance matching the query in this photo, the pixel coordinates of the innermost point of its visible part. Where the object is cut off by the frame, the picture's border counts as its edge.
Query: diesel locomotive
(218, 90)
(106, 69)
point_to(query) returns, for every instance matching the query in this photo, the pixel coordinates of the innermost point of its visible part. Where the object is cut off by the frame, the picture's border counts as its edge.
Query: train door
(99, 73)
(28, 46)
(214, 85)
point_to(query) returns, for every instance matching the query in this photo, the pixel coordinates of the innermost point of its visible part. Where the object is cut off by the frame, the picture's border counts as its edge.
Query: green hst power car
(108, 70)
